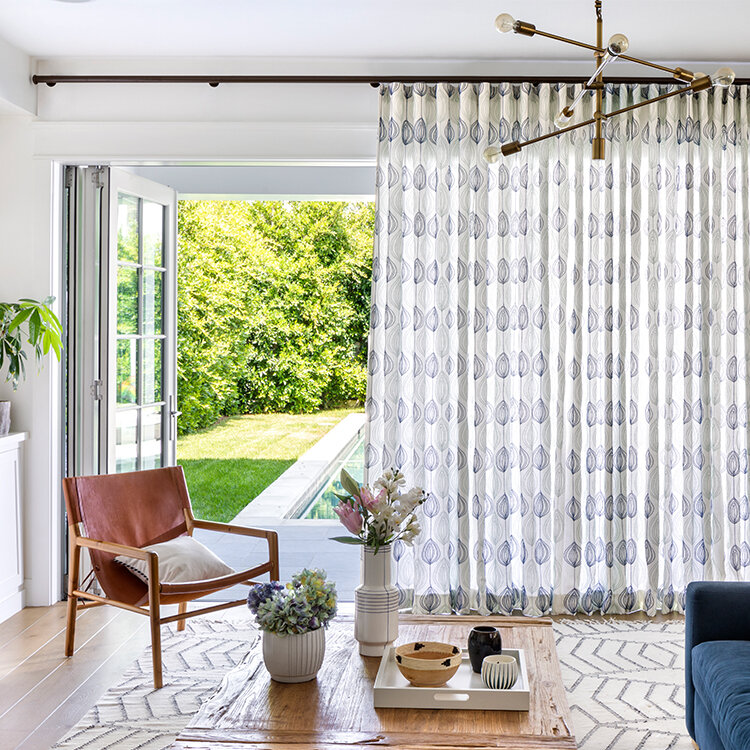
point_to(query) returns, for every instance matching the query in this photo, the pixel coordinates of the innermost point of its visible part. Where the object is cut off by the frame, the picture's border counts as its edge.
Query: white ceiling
(677, 30)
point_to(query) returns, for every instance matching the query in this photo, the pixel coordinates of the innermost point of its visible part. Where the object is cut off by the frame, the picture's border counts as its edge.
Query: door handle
(173, 414)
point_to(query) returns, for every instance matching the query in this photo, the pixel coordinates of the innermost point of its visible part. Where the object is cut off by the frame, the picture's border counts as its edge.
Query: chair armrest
(271, 537)
(115, 549)
(228, 528)
(714, 611)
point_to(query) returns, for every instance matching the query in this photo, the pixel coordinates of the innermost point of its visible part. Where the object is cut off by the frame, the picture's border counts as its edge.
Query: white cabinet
(11, 512)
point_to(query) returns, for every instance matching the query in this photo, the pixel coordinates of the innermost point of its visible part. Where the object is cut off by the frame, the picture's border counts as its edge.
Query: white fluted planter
(375, 603)
(294, 658)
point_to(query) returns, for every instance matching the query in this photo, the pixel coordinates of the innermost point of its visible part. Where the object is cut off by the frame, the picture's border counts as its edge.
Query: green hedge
(273, 306)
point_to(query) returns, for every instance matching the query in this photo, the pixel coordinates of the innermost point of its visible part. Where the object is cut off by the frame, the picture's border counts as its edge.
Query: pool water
(322, 505)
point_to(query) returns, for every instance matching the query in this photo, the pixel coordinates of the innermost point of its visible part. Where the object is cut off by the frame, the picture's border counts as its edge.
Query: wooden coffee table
(336, 710)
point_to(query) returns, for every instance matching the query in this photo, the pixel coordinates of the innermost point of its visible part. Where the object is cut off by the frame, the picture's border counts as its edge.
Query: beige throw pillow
(180, 560)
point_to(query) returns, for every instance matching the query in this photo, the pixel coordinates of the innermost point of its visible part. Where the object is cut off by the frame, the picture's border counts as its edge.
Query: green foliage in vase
(27, 322)
(305, 604)
(274, 304)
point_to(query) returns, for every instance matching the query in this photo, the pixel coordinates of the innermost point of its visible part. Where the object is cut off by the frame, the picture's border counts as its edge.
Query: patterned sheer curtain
(559, 347)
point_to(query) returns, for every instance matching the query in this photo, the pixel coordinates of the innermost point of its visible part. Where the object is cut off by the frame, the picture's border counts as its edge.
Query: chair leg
(73, 573)
(154, 617)
(181, 609)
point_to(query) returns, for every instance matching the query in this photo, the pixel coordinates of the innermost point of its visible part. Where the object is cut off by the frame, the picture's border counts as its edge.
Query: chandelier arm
(587, 85)
(656, 66)
(674, 71)
(698, 85)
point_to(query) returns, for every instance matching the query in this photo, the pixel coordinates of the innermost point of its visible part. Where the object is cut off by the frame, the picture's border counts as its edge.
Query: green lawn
(229, 464)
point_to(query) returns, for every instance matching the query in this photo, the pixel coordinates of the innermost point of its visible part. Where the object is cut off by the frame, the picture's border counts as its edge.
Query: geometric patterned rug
(134, 716)
(624, 681)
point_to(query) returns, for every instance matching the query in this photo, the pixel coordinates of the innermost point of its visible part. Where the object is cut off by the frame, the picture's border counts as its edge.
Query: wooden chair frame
(78, 542)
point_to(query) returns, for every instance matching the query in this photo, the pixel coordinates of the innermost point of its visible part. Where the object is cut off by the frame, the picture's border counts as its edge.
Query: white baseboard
(12, 604)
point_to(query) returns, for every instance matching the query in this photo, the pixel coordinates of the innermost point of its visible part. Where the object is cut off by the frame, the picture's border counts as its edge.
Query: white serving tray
(465, 690)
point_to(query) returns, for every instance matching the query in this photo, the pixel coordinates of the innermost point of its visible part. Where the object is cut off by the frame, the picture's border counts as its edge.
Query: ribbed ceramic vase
(294, 658)
(375, 603)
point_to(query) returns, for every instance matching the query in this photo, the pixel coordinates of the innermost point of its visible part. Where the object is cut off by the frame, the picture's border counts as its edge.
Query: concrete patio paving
(302, 544)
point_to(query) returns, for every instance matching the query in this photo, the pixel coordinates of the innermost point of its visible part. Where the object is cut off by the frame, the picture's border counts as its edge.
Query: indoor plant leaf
(347, 539)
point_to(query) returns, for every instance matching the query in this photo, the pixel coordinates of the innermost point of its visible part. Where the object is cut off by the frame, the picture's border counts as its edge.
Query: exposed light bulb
(492, 154)
(563, 118)
(505, 23)
(617, 44)
(723, 77)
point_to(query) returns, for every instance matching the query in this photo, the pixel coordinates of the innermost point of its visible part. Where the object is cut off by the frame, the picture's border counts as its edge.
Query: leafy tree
(273, 306)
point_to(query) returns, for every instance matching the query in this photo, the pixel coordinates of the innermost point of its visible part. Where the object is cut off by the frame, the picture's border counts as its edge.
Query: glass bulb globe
(617, 44)
(492, 154)
(563, 119)
(723, 77)
(505, 23)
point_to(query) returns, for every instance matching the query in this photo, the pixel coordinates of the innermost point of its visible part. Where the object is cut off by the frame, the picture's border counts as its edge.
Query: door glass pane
(126, 440)
(127, 227)
(127, 371)
(141, 278)
(151, 438)
(152, 283)
(127, 300)
(152, 353)
(153, 233)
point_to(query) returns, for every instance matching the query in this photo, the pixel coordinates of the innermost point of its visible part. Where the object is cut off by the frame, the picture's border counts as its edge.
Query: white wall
(27, 269)
(17, 93)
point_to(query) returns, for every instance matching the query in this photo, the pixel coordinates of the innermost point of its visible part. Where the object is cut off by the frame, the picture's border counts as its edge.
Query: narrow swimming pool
(324, 501)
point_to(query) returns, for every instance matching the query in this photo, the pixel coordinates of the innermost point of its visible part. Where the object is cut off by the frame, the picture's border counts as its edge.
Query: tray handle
(451, 697)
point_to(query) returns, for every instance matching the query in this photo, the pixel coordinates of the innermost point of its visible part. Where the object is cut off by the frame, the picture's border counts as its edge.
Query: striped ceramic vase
(294, 658)
(375, 603)
(499, 671)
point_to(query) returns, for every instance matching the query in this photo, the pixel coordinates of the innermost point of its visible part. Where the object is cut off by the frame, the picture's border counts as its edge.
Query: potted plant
(293, 620)
(377, 516)
(25, 322)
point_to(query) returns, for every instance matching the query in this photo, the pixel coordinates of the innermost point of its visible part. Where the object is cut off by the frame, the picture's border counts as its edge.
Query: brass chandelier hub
(603, 56)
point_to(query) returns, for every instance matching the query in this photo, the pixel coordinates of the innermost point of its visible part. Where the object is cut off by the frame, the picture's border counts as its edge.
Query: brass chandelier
(615, 50)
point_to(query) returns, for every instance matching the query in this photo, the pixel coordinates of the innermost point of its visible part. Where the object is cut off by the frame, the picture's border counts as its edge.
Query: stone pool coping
(303, 479)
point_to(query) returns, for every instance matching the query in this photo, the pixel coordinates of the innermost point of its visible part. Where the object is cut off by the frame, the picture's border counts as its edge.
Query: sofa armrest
(714, 611)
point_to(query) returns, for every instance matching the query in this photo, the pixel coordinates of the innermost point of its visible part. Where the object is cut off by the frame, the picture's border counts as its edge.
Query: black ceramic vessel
(483, 641)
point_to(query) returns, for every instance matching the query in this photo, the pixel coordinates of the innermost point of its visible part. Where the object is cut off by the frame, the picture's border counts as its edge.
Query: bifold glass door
(121, 319)
(141, 411)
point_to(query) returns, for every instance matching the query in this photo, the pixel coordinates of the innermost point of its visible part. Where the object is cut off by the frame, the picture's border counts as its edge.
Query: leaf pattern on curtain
(559, 347)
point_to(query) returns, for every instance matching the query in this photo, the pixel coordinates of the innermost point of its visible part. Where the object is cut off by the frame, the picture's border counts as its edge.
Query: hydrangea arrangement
(305, 604)
(380, 514)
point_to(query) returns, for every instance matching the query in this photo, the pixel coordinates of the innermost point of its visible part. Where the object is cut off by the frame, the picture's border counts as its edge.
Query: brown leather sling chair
(117, 514)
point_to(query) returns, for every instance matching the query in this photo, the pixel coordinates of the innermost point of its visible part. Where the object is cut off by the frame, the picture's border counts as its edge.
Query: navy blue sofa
(717, 665)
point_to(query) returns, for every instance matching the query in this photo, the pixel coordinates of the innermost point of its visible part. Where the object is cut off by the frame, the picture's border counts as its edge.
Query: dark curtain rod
(214, 81)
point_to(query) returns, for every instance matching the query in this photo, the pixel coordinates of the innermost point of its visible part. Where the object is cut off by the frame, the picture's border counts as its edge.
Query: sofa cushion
(721, 675)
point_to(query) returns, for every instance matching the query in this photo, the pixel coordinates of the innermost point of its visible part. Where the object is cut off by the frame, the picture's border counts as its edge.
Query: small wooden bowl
(428, 663)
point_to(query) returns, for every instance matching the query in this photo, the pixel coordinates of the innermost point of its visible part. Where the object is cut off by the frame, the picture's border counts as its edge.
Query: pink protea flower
(369, 500)
(350, 517)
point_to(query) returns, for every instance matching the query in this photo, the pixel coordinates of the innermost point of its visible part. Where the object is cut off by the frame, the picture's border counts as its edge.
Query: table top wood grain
(336, 710)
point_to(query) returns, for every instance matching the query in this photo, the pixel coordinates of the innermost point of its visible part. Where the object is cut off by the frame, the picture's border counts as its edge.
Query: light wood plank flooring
(43, 694)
